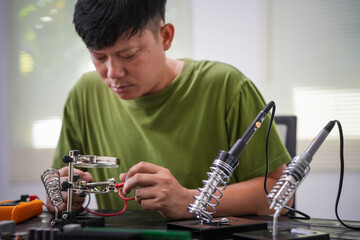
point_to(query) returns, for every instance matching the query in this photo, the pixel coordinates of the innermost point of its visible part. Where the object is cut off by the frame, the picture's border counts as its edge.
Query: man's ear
(167, 33)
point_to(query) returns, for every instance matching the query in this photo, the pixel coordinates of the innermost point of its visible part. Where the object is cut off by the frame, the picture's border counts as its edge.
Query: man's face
(133, 67)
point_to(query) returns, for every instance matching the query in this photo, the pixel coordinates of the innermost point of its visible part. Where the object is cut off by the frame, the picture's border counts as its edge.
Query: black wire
(81, 211)
(341, 177)
(305, 216)
(266, 148)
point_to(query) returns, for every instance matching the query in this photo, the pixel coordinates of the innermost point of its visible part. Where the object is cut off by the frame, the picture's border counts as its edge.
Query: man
(165, 119)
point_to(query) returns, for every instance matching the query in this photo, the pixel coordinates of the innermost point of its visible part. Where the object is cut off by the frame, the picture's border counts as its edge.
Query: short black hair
(101, 22)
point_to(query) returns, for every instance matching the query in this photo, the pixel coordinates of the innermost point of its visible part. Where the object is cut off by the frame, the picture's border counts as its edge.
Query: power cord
(341, 177)
(304, 215)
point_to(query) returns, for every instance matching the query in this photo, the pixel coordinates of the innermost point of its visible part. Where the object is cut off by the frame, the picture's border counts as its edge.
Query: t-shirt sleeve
(245, 106)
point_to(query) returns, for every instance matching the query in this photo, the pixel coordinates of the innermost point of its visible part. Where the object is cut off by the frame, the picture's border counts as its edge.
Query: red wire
(107, 214)
(118, 186)
(124, 197)
(33, 197)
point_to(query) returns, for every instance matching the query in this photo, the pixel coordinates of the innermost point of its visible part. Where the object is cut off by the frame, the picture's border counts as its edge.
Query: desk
(153, 220)
(333, 227)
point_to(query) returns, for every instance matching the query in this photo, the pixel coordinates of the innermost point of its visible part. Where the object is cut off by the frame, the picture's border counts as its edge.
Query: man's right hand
(76, 200)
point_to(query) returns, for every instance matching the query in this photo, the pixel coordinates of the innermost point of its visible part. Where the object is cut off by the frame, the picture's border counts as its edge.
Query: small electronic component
(20, 210)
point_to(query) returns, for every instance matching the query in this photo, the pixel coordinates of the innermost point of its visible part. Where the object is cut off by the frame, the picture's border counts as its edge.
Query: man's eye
(100, 58)
(127, 57)
(130, 55)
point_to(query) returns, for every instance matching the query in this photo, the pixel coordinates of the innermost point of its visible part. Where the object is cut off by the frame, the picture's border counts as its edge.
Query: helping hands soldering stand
(223, 166)
(51, 180)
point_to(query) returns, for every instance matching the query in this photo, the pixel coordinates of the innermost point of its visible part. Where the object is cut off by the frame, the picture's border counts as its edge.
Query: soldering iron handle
(240, 144)
(316, 143)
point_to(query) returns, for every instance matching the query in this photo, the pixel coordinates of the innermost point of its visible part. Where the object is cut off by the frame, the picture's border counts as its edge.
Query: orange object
(20, 211)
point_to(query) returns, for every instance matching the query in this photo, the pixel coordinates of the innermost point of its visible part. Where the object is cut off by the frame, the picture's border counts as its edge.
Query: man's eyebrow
(94, 51)
(120, 51)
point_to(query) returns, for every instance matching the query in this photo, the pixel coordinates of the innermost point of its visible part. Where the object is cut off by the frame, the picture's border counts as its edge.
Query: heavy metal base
(292, 234)
(217, 229)
(85, 221)
(90, 221)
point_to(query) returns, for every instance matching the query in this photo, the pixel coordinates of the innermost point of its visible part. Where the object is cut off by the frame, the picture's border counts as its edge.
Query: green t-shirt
(205, 109)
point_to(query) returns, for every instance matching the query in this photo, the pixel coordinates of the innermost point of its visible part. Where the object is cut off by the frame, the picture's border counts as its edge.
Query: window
(46, 59)
(311, 65)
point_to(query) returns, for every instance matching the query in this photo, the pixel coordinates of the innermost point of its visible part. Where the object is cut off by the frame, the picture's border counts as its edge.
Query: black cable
(81, 211)
(341, 177)
(305, 216)
(266, 148)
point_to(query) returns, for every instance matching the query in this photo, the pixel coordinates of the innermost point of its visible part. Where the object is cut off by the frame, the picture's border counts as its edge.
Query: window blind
(312, 70)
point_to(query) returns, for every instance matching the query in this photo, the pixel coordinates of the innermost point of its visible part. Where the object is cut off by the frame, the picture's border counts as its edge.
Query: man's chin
(126, 96)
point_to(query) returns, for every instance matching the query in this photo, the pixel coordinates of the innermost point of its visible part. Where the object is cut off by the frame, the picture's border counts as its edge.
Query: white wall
(4, 134)
(8, 189)
(317, 194)
(228, 31)
(222, 30)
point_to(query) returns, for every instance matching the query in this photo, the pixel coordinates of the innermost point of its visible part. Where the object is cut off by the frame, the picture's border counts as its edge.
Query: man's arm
(248, 197)
(160, 191)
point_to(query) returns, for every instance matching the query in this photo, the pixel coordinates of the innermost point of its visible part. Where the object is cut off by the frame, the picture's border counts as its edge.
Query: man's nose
(115, 70)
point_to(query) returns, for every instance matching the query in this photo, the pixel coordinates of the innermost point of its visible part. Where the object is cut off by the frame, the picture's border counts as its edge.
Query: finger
(150, 204)
(143, 167)
(122, 177)
(140, 179)
(61, 207)
(77, 202)
(83, 175)
(49, 206)
(87, 177)
(145, 193)
(65, 171)
(75, 199)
